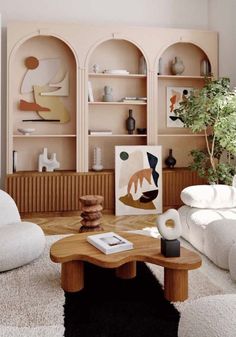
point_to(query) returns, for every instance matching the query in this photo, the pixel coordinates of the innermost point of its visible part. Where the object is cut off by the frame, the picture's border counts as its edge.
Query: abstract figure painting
(175, 95)
(38, 80)
(138, 177)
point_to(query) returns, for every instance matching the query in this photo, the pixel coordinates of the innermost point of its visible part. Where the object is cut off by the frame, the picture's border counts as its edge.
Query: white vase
(177, 66)
(205, 68)
(142, 66)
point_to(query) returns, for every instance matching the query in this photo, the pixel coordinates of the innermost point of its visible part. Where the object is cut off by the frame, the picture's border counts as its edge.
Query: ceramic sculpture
(170, 246)
(49, 164)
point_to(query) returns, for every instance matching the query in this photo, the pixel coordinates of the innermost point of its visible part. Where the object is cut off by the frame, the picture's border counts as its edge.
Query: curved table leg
(127, 270)
(175, 284)
(72, 276)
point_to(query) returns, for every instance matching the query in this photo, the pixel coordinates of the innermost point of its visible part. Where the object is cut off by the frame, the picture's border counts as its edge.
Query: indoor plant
(212, 110)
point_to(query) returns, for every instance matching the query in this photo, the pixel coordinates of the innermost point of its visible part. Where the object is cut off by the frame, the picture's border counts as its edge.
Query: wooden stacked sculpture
(91, 213)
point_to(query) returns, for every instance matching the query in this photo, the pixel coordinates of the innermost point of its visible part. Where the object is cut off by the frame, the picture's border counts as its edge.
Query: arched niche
(44, 47)
(57, 137)
(190, 54)
(116, 54)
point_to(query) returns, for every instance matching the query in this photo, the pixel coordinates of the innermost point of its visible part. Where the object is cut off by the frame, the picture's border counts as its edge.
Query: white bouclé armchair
(20, 242)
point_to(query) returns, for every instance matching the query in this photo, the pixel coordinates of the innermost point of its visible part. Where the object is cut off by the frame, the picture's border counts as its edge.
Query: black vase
(130, 123)
(170, 160)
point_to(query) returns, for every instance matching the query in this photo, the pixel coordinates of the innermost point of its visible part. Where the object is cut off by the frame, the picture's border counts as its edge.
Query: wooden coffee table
(74, 250)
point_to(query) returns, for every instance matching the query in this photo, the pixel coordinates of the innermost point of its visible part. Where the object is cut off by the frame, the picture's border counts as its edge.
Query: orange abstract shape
(175, 98)
(31, 106)
(138, 177)
(173, 102)
(31, 62)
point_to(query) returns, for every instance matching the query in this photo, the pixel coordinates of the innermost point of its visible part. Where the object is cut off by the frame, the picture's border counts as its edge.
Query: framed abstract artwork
(174, 96)
(138, 180)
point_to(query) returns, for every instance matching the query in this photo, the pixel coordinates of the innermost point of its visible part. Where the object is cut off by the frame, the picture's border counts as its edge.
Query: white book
(100, 132)
(110, 242)
(90, 92)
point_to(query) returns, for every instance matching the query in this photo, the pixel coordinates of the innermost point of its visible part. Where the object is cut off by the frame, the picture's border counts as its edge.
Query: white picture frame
(138, 180)
(90, 92)
(175, 95)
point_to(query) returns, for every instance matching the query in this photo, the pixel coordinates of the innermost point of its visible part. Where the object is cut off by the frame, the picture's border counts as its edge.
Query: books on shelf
(110, 242)
(116, 71)
(100, 132)
(133, 99)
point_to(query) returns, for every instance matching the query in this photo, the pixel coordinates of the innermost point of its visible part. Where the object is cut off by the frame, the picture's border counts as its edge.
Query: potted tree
(212, 110)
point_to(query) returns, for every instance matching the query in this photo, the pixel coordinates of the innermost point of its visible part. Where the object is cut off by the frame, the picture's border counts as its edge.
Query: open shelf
(117, 103)
(180, 77)
(44, 136)
(117, 75)
(118, 135)
(180, 135)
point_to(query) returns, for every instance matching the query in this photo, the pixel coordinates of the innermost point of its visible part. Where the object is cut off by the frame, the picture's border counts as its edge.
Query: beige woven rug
(31, 300)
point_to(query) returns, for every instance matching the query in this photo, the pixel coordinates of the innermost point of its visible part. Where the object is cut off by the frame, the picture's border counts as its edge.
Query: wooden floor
(110, 222)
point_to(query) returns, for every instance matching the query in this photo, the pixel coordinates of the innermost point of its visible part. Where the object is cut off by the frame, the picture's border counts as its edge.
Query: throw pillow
(209, 196)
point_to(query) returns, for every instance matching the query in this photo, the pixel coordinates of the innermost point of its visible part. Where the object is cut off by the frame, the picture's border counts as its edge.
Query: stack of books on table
(110, 242)
(100, 132)
(133, 99)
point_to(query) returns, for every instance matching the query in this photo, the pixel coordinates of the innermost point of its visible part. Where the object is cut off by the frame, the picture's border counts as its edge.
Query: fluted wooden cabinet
(57, 192)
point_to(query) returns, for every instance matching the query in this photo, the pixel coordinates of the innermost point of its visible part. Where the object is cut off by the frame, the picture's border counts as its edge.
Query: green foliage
(212, 110)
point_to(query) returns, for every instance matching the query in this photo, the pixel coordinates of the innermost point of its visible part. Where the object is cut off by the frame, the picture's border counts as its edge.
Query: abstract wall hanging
(138, 179)
(174, 96)
(46, 100)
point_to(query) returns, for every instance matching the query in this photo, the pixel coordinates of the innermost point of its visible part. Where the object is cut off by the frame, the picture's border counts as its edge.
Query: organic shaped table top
(147, 249)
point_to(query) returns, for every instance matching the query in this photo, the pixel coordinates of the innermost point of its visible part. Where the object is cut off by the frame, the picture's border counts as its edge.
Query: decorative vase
(142, 66)
(107, 97)
(97, 159)
(177, 66)
(205, 68)
(170, 160)
(130, 123)
(160, 67)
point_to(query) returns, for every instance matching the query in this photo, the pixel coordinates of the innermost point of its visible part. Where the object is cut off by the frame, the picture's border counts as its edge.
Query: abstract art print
(175, 95)
(138, 178)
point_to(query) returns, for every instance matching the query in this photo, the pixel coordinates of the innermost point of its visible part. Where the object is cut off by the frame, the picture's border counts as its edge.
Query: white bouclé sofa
(208, 221)
(20, 242)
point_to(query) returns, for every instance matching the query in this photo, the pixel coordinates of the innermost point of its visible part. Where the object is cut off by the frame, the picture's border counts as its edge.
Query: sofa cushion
(195, 220)
(209, 196)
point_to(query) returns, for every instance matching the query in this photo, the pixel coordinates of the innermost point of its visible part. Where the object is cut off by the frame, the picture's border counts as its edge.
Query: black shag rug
(112, 307)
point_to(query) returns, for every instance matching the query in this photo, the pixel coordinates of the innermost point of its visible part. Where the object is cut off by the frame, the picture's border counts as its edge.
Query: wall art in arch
(138, 180)
(175, 95)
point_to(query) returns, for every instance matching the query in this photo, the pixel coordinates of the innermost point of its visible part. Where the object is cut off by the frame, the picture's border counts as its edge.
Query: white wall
(163, 13)
(222, 19)
(178, 13)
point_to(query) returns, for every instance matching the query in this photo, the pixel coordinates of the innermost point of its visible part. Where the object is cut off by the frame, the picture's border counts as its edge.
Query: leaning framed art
(138, 179)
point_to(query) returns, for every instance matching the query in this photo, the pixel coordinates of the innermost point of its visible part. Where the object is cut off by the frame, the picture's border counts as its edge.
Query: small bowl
(141, 131)
(26, 131)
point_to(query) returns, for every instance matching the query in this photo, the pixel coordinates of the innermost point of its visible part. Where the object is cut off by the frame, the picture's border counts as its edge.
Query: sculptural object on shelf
(130, 123)
(50, 164)
(177, 66)
(107, 97)
(170, 161)
(97, 159)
